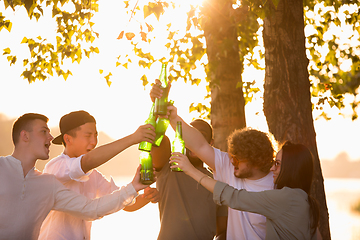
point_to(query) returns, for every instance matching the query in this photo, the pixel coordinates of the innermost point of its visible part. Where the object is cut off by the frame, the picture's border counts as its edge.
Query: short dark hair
(201, 121)
(297, 168)
(25, 123)
(252, 145)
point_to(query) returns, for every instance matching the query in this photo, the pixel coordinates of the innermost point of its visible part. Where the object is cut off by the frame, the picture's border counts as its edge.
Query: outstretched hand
(182, 161)
(145, 133)
(152, 194)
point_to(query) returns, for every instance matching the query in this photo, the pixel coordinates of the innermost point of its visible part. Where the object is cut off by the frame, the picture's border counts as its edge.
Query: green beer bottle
(178, 144)
(160, 129)
(161, 103)
(146, 146)
(146, 172)
(161, 126)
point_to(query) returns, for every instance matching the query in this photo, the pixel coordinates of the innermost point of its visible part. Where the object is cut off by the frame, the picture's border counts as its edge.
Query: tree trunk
(224, 71)
(287, 100)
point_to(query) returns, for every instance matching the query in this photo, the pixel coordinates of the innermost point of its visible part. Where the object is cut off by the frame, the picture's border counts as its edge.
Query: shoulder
(57, 160)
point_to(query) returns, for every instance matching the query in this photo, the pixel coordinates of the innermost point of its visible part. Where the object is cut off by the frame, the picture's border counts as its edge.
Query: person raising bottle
(290, 211)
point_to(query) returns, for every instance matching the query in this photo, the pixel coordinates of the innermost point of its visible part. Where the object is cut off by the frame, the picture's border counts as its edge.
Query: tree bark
(224, 70)
(287, 99)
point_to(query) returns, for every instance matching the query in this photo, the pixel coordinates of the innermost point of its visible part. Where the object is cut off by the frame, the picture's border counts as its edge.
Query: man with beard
(187, 210)
(246, 165)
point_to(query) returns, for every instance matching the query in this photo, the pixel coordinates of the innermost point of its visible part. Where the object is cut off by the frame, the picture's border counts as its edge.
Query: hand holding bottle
(172, 113)
(144, 133)
(182, 162)
(136, 181)
(156, 90)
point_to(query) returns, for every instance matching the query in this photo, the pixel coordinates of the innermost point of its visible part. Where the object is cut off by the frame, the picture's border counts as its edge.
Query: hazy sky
(124, 106)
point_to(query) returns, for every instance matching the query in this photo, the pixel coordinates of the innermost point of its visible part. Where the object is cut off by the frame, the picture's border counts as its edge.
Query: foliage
(332, 28)
(186, 48)
(333, 49)
(73, 29)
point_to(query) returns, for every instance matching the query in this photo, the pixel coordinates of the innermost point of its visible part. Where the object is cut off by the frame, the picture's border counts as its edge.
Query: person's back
(187, 210)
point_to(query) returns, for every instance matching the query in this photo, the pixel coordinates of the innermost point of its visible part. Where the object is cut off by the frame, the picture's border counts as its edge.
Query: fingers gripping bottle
(178, 144)
(146, 146)
(146, 171)
(161, 103)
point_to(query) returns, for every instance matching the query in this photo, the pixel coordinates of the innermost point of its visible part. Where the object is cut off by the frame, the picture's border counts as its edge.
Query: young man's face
(85, 140)
(40, 139)
(242, 168)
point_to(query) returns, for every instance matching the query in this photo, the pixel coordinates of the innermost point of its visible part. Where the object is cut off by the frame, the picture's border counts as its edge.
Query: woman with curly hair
(290, 211)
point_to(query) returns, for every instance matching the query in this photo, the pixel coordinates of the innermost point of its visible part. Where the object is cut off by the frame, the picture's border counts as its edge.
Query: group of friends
(249, 192)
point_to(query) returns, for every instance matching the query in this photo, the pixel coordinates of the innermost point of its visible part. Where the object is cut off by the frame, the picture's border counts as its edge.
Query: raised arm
(104, 153)
(194, 140)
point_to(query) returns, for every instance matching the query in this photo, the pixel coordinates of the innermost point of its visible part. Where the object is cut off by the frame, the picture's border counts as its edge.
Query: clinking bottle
(146, 146)
(161, 103)
(146, 171)
(178, 144)
(161, 126)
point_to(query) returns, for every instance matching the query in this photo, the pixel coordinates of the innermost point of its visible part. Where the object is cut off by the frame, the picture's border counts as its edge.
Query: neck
(257, 174)
(69, 153)
(27, 162)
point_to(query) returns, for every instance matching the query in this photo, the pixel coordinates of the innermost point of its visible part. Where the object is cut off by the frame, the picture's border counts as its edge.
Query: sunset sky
(124, 106)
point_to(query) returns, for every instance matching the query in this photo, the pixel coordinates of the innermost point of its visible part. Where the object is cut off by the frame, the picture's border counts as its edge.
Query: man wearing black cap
(75, 169)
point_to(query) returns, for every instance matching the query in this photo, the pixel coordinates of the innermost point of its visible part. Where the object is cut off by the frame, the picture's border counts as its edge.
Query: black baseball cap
(70, 121)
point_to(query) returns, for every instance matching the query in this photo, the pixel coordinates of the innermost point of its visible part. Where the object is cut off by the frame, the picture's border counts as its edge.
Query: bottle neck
(178, 132)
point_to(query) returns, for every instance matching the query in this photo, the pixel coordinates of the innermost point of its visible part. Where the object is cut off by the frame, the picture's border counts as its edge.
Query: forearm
(203, 179)
(104, 153)
(82, 207)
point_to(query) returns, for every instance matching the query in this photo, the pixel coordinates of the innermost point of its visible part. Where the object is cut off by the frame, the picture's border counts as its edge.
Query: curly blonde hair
(253, 146)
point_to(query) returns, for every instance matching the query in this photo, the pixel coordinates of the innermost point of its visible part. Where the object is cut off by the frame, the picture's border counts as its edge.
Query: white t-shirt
(60, 225)
(242, 225)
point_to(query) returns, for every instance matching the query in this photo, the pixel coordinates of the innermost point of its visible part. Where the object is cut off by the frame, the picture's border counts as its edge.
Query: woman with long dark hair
(290, 211)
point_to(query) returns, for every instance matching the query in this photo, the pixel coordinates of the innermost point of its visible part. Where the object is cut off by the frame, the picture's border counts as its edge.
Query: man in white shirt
(73, 169)
(27, 195)
(246, 165)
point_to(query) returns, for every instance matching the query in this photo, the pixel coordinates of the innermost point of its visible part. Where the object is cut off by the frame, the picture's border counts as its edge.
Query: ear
(67, 139)
(24, 136)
